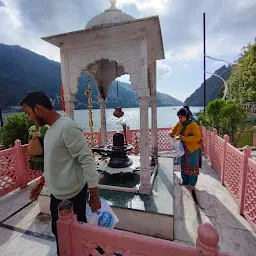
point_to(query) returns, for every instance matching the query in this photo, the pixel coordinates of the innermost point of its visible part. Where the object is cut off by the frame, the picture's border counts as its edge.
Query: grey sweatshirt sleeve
(76, 144)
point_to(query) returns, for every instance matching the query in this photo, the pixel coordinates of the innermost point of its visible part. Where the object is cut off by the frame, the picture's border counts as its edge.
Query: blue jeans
(79, 205)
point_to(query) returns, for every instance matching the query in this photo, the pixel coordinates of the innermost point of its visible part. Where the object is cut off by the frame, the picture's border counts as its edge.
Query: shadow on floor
(206, 170)
(219, 208)
(181, 232)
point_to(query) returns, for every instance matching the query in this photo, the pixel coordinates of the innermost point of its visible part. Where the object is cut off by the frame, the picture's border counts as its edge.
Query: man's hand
(95, 204)
(94, 201)
(35, 192)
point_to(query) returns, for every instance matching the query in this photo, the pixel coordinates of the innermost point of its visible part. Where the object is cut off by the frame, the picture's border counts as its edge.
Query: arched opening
(121, 94)
(81, 102)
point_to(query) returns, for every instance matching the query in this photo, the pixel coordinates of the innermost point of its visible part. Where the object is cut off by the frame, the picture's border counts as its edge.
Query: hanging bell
(118, 112)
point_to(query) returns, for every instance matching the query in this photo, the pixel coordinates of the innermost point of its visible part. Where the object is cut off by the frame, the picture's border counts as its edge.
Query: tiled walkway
(211, 203)
(23, 231)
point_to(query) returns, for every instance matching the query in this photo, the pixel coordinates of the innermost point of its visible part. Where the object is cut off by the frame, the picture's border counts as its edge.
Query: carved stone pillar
(69, 90)
(154, 137)
(145, 173)
(103, 127)
(69, 104)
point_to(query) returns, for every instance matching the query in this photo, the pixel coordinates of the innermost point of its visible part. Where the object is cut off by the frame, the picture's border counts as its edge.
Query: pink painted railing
(237, 171)
(249, 207)
(14, 169)
(133, 138)
(84, 239)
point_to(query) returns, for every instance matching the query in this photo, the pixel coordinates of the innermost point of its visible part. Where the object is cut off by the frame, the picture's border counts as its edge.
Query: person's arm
(174, 130)
(196, 133)
(76, 144)
(36, 190)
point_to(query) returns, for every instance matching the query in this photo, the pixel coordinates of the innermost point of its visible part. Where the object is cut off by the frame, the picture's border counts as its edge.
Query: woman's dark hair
(184, 112)
(187, 107)
(37, 98)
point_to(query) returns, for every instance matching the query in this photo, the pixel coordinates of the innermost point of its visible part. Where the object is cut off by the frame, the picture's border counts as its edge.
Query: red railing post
(66, 218)
(243, 177)
(226, 140)
(202, 139)
(212, 158)
(207, 241)
(206, 144)
(21, 166)
(128, 135)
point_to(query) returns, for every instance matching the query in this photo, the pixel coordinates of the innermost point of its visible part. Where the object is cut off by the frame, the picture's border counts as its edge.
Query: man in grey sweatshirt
(69, 167)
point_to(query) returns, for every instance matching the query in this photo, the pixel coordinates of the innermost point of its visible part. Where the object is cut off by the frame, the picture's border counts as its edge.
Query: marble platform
(144, 214)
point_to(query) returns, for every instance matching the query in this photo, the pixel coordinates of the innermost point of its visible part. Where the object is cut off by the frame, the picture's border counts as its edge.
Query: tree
(243, 78)
(212, 117)
(233, 118)
(228, 117)
(16, 127)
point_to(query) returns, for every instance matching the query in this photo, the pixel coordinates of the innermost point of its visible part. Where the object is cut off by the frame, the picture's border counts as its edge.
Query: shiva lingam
(117, 152)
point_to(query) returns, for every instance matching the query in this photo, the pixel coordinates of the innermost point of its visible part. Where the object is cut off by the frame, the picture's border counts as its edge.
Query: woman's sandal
(191, 188)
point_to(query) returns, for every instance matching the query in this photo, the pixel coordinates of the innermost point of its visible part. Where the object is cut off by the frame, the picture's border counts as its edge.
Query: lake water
(166, 117)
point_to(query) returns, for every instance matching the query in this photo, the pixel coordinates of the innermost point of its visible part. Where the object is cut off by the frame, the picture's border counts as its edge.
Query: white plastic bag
(104, 217)
(178, 147)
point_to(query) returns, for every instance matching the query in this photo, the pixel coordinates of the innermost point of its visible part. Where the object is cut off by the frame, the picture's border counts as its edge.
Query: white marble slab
(31, 219)
(6, 236)
(13, 201)
(24, 245)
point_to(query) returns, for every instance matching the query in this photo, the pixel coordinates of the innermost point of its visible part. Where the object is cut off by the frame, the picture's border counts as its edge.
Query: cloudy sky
(230, 24)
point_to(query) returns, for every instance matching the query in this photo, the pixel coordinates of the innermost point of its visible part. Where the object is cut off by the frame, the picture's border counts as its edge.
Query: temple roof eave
(59, 39)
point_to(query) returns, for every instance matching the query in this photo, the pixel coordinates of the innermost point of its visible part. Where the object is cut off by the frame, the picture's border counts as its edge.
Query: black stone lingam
(117, 152)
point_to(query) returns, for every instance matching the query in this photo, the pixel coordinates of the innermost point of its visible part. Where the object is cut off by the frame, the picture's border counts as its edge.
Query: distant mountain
(214, 87)
(22, 71)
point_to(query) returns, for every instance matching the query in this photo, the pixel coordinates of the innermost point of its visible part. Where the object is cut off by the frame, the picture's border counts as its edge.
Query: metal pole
(204, 63)
(1, 119)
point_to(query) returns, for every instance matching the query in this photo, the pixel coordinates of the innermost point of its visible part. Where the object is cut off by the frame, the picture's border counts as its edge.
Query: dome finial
(113, 4)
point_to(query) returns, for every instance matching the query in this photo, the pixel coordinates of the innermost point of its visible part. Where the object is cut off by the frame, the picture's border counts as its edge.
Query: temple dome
(111, 16)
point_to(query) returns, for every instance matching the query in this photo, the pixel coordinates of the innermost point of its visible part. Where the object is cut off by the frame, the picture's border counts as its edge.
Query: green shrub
(16, 127)
(228, 117)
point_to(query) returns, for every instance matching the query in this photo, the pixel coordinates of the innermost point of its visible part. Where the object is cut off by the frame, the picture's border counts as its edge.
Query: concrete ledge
(146, 223)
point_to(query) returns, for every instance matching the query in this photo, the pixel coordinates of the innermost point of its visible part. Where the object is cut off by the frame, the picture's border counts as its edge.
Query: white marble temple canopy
(113, 44)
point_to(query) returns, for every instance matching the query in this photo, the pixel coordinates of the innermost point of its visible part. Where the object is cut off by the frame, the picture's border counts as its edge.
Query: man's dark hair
(37, 98)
